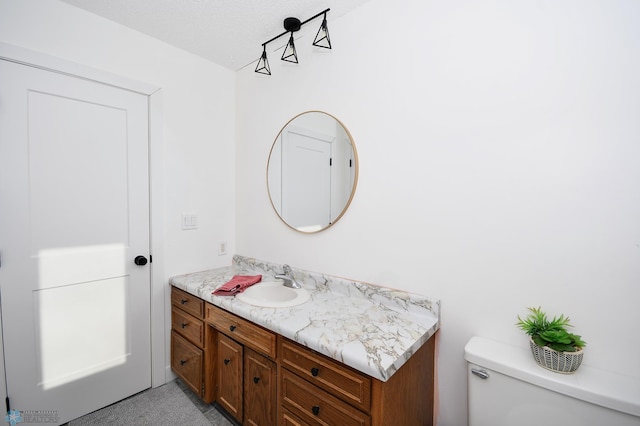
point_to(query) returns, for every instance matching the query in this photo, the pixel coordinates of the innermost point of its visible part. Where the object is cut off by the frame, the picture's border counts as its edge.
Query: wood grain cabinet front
(246, 368)
(188, 326)
(186, 362)
(287, 418)
(264, 379)
(344, 382)
(241, 330)
(187, 302)
(318, 390)
(315, 406)
(260, 389)
(229, 367)
(191, 344)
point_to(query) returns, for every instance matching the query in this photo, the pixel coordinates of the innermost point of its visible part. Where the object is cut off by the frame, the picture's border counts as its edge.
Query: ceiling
(227, 32)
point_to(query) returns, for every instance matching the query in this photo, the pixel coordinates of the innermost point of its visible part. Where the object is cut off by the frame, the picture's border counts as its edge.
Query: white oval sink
(272, 294)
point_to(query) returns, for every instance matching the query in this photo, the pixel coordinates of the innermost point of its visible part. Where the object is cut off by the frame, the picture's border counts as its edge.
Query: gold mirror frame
(275, 161)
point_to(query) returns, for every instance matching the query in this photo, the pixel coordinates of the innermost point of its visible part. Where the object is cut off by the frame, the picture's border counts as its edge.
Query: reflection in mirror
(312, 171)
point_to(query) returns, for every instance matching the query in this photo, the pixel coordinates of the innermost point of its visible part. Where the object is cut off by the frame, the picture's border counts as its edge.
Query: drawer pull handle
(315, 409)
(256, 379)
(183, 301)
(184, 324)
(183, 361)
(226, 361)
(480, 373)
(314, 372)
(232, 327)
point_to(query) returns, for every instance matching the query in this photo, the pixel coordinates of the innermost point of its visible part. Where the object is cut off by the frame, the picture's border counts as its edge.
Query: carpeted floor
(170, 404)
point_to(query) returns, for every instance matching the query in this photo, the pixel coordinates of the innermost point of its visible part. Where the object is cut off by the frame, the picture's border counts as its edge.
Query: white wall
(499, 147)
(198, 111)
(498, 142)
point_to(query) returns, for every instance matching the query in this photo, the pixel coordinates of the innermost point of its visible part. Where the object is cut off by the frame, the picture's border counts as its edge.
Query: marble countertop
(371, 328)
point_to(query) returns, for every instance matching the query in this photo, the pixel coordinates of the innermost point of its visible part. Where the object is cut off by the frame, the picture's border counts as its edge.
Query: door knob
(140, 260)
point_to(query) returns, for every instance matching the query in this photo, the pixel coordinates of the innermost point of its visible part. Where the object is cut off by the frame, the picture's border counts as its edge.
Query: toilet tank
(507, 388)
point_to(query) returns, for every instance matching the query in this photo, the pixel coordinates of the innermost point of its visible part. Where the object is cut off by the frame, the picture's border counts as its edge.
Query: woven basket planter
(560, 362)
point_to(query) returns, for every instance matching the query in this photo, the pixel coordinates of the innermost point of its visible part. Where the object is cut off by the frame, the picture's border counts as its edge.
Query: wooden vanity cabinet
(246, 368)
(190, 343)
(407, 398)
(317, 390)
(261, 378)
(346, 383)
(246, 383)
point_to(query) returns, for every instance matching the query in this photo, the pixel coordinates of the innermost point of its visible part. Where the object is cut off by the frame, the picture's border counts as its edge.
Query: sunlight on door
(76, 308)
(81, 326)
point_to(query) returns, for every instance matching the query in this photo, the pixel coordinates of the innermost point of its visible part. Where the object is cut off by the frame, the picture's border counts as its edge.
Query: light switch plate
(189, 221)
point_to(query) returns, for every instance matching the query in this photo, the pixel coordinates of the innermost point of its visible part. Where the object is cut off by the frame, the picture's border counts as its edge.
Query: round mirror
(312, 171)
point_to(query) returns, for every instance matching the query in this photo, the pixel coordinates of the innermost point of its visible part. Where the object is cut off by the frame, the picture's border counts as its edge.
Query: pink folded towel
(237, 284)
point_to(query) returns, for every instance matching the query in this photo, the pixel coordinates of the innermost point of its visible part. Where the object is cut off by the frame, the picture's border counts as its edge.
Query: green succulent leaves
(552, 333)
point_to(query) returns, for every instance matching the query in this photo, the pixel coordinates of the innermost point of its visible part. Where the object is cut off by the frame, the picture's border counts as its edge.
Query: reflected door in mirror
(312, 171)
(306, 179)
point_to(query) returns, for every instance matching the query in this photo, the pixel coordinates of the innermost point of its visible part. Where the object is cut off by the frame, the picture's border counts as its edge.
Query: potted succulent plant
(552, 345)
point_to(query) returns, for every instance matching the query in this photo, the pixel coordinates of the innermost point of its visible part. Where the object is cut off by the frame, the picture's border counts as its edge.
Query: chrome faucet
(287, 276)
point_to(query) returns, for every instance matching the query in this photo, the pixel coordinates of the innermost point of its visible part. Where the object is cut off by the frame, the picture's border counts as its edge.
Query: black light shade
(292, 25)
(322, 38)
(290, 54)
(263, 63)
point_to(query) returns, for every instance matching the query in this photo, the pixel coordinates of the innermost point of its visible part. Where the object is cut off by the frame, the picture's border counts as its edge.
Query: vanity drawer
(188, 326)
(245, 332)
(187, 302)
(315, 406)
(186, 361)
(342, 381)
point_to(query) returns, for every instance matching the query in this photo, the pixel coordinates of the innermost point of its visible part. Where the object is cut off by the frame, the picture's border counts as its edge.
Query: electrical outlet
(222, 249)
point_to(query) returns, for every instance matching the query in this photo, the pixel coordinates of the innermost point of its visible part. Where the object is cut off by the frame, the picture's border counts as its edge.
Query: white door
(74, 213)
(306, 179)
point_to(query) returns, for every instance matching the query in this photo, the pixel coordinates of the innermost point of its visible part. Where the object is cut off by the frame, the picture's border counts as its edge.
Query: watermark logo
(14, 417)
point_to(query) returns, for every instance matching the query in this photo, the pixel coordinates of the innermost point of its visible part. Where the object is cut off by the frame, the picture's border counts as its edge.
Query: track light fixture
(291, 25)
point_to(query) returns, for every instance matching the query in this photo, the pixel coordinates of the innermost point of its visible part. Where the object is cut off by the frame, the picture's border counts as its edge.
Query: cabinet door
(259, 389)
(186, 362)
(229, 366)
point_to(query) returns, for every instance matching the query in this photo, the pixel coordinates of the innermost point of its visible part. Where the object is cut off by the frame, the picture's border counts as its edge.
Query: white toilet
(507, 388)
